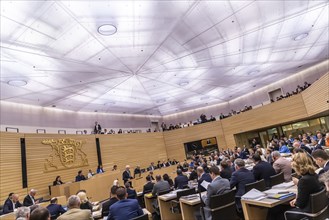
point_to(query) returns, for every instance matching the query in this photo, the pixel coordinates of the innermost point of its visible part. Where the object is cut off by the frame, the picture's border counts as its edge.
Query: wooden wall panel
(10, 165)
(316, 97)
(175, 139)
(37, 153)
(132, 149)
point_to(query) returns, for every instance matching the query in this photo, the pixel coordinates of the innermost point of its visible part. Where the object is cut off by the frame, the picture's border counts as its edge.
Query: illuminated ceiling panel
(163, 57)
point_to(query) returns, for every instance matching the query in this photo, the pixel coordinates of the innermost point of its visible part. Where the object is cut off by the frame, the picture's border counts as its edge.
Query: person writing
(57, 181)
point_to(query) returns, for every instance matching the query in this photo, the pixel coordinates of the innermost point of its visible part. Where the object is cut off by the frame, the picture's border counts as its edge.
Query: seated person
(55, 209)
(90, 174)
(167, 178)
(151, 167)
(306, 185)
(239, 179)
(29, 199)
(85, 204)
(324, 178)
(74, 211)
(115, 167)
(124, 209)
(130, 191)
(217, 186)
(181, 180)
(57, 181)
(262, 170)
(23, 213)
(193, 175)
(11, 203)
(281, 164)
(202, 176)
(137, 171)
(148, 187)
(160, 185)
(151, 175)
(100, 169)
(40, 213)
(113, 199)
(226, 170)
(80, 176)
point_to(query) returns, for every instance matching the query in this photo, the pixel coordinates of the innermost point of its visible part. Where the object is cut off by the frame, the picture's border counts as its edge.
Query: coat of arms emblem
(66, 151)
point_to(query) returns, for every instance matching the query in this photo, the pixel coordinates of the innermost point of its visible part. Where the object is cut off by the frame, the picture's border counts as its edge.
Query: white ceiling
(166, 57)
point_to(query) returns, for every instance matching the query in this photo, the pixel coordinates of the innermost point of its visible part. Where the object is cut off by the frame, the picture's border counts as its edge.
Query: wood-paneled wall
(316, 97)
(132, 149)
(10, 165)
(37, 153)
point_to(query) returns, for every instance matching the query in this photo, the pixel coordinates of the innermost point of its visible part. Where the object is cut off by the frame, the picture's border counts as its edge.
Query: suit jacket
(150, 168)
(193, 175)
(125, 209)
(307, 184)
(207, 178)
(81, 214)
(160, 186)
(131, 193)
(226, 173)
(239, 180)
(181, 181)
(325, 168)
(8, 206)
(263, 170)
(55, 209)
(126, 176)
(218, 186)
(28, 201)
(80, 178)
(148, 187)
(283, 165)
(106, 206)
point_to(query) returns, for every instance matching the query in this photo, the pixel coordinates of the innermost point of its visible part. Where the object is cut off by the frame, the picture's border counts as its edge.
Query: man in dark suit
(113, 199)
(97, 128)
(202, 177)
(29, 199)
(193, 174)
(151, 167)
(80, 176)
(226, 170)
(239, 179)
(55, 209)
(262, 170)
(242, 153)
(322, 160)
(137, 171)
(124, 208)
(180, 180)
(126, 175)
(11, 203)
(148, 187)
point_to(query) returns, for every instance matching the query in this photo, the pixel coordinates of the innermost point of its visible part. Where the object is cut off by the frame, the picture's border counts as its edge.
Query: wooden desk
(257, 210)
(9, 216)
(190, 206)
(148, 198)
(60, 190)
(164, 202)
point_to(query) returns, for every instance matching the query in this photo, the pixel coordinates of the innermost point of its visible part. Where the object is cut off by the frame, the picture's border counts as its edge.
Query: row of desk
(252, 209)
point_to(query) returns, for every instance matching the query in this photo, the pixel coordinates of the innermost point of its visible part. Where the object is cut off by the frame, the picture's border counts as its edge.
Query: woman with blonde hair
(85, 204)
(306, 185)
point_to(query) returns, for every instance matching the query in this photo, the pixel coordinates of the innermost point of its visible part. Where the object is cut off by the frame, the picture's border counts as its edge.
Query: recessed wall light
(301, 36)
(107, 29)
(17, 82)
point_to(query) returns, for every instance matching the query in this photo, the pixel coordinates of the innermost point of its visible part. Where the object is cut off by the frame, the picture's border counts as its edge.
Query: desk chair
(141, 217)
(175, 206)
(155, 203)
(259, 185)
(276, 179)
(319, 208)
(221, 205)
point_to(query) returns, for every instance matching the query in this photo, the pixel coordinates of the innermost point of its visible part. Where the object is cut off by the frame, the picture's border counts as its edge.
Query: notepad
(205, 184)
(281, 196)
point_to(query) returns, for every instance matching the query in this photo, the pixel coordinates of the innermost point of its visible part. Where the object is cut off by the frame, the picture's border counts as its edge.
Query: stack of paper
(254, 194)
(283, 185)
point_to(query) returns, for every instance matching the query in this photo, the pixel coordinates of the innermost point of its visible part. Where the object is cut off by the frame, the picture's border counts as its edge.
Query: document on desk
(205, 184)
(254, 194)
(284, 185)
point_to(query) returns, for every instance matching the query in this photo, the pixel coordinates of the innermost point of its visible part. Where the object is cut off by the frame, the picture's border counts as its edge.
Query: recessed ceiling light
(54, 106)
(253, 72)
(301, 36)
(107, 29)
(185, 83)
(17, 82)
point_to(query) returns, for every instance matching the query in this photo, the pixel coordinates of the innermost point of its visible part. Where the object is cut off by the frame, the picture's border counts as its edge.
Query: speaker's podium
(60, 190)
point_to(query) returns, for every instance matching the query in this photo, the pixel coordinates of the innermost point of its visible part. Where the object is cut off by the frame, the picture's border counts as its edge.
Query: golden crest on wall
(66, 153)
